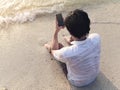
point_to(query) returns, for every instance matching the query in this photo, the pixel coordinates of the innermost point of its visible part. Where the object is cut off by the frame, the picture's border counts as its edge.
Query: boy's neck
(80, 39)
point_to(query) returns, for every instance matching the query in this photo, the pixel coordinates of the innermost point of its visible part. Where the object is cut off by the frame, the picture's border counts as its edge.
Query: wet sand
(26, 65)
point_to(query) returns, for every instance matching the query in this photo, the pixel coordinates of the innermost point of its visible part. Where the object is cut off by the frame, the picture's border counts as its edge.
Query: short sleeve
(60, 54)
(95, 38)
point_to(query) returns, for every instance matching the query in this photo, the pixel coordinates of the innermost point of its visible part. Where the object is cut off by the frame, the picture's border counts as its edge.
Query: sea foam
(21, 11)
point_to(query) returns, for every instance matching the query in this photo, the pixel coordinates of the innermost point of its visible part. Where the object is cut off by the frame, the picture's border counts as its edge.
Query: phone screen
(60, 19)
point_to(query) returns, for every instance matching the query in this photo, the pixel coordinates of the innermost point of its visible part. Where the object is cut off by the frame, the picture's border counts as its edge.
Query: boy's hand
(68, 40)
(58, 28)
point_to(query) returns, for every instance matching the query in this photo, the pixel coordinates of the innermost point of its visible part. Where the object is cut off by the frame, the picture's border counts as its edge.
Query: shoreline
(32, 15)
(26, 64)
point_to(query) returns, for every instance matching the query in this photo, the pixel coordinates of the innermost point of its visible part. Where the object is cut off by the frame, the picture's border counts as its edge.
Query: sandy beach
(26, 65)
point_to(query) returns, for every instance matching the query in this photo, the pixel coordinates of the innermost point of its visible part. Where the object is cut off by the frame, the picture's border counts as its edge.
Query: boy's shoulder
(94, 37)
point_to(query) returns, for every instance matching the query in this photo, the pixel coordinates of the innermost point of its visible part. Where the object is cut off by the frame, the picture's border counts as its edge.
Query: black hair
(78, 23)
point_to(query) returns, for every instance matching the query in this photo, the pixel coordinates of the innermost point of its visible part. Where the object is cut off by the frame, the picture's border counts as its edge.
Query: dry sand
(26, 65)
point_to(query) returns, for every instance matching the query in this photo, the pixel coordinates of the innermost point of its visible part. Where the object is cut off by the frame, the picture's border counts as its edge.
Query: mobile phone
(60, 19)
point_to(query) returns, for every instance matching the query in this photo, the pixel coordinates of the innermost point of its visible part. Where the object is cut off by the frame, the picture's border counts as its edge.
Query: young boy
(82, 56)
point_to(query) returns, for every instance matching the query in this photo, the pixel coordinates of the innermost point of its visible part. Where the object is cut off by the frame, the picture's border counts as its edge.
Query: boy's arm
(55, 43)
(68, 40)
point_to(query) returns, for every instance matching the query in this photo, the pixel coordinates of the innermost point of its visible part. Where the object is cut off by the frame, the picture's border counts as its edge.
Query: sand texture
(26, 65)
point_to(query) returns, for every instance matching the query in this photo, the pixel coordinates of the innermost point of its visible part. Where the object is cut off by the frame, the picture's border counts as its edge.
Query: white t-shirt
(82, 60)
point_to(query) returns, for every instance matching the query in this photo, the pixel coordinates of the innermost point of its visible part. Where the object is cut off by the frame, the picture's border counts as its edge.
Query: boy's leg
(64, 68)
(63, 65)
(48, 46)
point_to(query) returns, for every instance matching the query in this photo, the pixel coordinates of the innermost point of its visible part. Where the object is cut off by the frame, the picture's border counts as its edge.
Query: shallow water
(20, 11)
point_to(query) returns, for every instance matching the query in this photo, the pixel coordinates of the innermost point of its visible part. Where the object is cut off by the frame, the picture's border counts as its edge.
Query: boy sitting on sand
(82, 56)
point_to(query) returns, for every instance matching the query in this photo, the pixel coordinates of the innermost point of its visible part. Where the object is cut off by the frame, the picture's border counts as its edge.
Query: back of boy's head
(78, 23)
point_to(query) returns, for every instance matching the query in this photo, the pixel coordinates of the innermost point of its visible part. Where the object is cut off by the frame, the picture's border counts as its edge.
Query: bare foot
(48, 47)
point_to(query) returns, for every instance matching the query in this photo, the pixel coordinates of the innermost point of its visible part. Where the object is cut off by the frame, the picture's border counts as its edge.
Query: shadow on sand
(101, 83)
